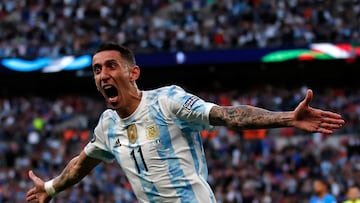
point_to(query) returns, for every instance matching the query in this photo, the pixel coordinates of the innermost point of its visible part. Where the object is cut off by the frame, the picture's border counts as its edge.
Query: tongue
(112, 99)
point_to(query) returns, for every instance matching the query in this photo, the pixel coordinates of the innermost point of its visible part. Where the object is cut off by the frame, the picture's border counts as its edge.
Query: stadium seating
(52, 28)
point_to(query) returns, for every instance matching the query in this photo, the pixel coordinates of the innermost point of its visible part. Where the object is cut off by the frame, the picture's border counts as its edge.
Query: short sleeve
(188, 108)
(96, 148)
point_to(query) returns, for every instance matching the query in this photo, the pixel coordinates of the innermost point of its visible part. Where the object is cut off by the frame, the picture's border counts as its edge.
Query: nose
(104, 75)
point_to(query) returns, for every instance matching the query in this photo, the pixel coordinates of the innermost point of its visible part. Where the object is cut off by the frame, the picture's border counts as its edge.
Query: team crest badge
(152, 131)
(132, 133)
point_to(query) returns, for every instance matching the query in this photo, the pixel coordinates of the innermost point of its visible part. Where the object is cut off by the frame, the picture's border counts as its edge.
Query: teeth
(107, 87)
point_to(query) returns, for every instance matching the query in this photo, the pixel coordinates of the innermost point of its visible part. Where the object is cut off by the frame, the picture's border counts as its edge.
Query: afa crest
(152, 131)
(132, 133)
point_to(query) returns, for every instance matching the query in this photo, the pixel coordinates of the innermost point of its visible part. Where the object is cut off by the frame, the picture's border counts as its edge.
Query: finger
(330, 114)
(308, 98)
(31, 191)
(325, 131)
(31, 198)
(333, 121)
(330, 126)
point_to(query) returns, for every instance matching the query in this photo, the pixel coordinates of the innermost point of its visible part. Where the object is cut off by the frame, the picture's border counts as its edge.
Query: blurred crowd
(34, 28)
(43, 134)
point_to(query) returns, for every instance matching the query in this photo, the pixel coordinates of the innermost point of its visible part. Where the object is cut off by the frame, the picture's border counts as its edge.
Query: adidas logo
(117, 143)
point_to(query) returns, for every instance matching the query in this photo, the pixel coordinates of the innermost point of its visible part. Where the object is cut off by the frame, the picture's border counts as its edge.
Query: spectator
(353, 195)
(321, 192)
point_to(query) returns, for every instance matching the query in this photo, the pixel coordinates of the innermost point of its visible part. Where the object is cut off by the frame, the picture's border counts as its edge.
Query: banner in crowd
(318, 51)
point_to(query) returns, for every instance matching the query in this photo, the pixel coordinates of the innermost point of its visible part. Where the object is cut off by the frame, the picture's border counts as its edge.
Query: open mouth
(110, 91)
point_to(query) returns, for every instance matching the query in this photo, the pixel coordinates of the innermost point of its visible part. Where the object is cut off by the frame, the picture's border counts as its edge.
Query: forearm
(75, 170)
(69, 176)
(249, 117)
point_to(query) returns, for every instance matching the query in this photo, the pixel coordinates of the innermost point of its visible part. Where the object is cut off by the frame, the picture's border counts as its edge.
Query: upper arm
(190, 110)
(87, 163)
(217, 116)
(229, 116)
(98, 147)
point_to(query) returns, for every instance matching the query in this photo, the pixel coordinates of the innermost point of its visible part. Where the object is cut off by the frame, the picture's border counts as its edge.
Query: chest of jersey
(142, 147)
(157, 157)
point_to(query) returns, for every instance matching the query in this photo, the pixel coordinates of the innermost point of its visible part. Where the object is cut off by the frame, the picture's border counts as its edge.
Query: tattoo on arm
(74, 172)
(68, 176)
(248, 117)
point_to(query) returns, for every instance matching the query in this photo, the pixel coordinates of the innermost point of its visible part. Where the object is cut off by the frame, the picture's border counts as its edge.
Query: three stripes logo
(117, 143)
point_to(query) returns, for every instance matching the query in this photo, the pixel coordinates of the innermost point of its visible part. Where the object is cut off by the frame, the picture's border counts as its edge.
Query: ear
(134, 73)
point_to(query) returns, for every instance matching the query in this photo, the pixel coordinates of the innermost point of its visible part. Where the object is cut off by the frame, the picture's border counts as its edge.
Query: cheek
(122, 82)
(97, 81)
(98, 86)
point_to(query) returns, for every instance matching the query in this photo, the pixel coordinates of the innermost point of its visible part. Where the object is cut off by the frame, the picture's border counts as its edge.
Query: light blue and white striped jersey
(159, 146)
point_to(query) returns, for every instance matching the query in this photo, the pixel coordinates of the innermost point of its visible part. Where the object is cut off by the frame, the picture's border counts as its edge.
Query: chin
(113, 105)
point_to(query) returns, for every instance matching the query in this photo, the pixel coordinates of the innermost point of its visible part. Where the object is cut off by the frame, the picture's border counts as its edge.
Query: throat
(129, 107)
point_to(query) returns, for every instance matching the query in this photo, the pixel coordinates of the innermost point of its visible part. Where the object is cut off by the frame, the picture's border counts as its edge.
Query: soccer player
(154, 135)
(321, 192)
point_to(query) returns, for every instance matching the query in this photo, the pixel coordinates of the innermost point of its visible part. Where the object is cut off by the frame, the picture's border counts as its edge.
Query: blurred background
(230, 52)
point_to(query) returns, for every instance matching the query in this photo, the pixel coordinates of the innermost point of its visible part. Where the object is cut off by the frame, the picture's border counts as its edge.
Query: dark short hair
(125, 52)
(324, 181)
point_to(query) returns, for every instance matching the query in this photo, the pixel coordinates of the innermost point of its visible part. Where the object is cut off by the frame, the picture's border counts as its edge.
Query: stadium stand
(53, 27)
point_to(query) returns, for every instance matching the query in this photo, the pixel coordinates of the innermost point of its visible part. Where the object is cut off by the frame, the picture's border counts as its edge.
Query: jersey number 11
(137, 154)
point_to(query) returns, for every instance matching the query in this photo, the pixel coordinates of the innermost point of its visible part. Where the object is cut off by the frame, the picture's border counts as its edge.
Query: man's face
(319, 187)
(112, 77)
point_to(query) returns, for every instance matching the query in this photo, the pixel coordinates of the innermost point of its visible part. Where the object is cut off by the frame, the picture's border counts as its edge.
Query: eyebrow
(105, 62)
(110, 61)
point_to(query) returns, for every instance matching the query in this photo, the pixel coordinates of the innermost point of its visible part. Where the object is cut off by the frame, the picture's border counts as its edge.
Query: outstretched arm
(75, 170)
(303, 117)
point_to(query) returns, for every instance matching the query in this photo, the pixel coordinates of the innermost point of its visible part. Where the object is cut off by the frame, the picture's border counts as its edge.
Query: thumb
(308, 97)
(34, 178)
(32, 175)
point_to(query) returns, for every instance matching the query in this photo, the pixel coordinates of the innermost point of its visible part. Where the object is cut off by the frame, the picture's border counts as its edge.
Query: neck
(321, 195)
(131, 104)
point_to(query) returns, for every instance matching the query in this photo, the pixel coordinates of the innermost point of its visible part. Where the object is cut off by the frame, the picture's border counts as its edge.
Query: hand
(315, 120)
(37, 193)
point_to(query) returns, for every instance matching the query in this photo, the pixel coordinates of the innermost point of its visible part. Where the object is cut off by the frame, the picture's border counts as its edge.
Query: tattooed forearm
(75, 170)
(248, 117)
(68, 177)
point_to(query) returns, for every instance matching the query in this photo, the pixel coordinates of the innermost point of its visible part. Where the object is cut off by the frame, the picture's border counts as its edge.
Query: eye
(112, 64)
(97, 69)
